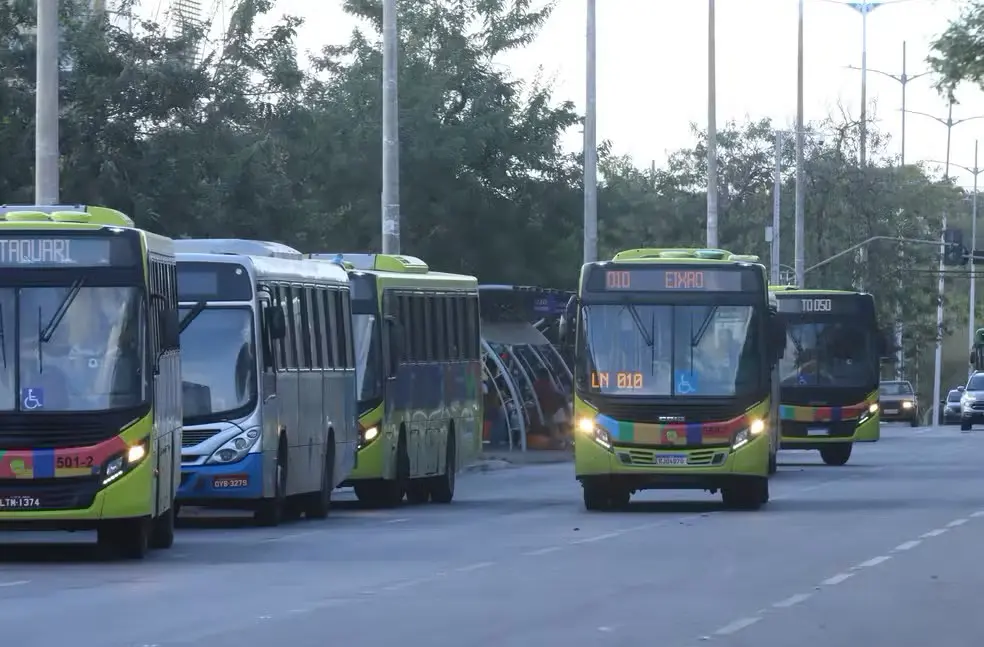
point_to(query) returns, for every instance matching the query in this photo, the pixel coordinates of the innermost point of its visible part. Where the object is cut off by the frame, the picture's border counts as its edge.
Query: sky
(652, 67)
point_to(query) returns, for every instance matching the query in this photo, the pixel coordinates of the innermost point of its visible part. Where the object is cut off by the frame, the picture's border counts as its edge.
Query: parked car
(898, 402)
(950, 408)
(972, 402)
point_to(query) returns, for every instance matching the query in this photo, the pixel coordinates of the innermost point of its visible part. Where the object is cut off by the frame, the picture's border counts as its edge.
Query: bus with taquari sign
(830, 371)
(676, 354)
(90, 376)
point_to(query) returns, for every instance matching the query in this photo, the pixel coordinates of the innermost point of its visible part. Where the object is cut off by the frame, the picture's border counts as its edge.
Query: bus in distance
(829, 373)
(90, 388)
(268, 379)
(418, 355)
(675, 376)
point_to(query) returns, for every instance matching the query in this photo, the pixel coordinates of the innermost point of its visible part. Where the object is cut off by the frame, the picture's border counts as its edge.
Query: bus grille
(53, 430)
(656, 413)
(192, 437)
(54, 494)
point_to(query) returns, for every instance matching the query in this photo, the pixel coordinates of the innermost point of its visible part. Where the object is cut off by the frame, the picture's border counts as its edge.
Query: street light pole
(391, 133)
(799, 236)
(712, 167)
(776, 202)
(949, 122)
(46, 154)
(591, 139)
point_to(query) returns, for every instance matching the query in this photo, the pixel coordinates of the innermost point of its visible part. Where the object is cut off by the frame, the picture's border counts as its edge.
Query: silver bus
(268, 379)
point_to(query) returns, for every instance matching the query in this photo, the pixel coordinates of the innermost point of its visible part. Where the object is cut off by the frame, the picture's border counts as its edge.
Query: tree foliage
(248, 141)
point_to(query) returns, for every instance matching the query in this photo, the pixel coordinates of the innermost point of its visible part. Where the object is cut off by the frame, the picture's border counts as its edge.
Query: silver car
(972, 402)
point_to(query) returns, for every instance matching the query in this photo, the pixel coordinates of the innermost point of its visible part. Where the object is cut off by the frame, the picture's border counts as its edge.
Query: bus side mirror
(167, 323)
(395, 345)
(777, 336)
(276, 323)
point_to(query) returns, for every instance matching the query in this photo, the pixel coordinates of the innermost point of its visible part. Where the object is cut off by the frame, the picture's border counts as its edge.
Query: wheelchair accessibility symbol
(32, 399)
(686, 383)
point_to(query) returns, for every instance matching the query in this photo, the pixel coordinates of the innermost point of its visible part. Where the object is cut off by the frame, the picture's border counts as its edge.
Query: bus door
(270, 326)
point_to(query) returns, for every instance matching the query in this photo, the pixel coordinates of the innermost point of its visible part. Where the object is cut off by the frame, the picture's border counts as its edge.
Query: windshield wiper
(196, 310)
(647, 339)
(704, 325)
(45, 334)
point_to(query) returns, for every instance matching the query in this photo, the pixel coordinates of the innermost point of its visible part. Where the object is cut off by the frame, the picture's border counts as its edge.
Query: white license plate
(817, 431)
(670, 459)
(891, 410)
(19, 502)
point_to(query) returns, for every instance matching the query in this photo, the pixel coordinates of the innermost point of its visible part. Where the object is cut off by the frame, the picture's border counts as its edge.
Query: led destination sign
(64, 252)
(820, 305)
(672, 280)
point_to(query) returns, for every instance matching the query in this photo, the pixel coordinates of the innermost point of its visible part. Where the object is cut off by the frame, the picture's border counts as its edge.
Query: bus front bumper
(814, 435)
(370, 461)
(231, 484)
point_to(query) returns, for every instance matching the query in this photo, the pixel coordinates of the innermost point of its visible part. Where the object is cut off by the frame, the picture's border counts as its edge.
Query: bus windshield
(368, 359)
(218, 364)
(76, 348)
(670, 350)
(828, 353)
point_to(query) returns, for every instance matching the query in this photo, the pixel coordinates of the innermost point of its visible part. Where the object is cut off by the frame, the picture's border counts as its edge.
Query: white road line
(837, 579)
(874, 561)
(542, 551)
(473, 567)
(736, 626)
(294, 535)
(396, 520)
(979, 513)
(909, 545)
(956, 522)
(792, 600)
(590, 540)
(933, 533)
(14, 583)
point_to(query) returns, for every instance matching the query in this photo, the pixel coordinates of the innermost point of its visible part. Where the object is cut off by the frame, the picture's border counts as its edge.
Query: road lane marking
(14, 583)
(591, 540)
(933, 533)
(542, 551)
(736, 626)
(837, 579)
(404, 520)
(908, 545)
(956, 522)
(792, 600)
(874, 561)
(474, 567)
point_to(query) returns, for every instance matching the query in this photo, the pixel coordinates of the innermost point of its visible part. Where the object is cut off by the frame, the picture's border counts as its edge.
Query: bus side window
(266, 343)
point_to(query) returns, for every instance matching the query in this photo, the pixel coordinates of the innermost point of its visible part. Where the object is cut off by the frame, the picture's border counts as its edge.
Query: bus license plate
(891, 410)
(19, 502)
(817, 431)
(228, 482)
(670, 459)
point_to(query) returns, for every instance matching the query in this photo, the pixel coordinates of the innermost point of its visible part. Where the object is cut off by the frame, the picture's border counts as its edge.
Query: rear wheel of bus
(747, 493)
(127, 538)
(836, 455)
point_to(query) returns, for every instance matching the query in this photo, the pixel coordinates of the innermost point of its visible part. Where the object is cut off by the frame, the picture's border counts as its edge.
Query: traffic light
(954, 253)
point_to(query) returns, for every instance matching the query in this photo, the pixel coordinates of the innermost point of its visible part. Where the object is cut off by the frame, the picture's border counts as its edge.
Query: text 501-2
(623, 380)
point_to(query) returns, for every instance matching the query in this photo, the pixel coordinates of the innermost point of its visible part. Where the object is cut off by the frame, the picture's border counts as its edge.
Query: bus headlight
(236, 448)
(119, 464)
(906, 405)
(588, 427)
(366, 436)
(755, 428)
(873, 408)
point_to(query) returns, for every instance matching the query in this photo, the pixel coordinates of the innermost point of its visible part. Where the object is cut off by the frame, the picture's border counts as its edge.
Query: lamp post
(799, 208)
(712, 167)
(390, 196)
(46, 152)
(591, 138)
(949, 122)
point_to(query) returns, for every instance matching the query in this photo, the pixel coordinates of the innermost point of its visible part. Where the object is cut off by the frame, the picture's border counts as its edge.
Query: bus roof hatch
(646, 253)
(236, 246)
(378, 262)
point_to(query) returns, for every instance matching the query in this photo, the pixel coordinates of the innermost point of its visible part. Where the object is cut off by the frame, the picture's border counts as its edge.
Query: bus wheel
(749, 493)
(837, 454)
(162, 532)
(418, 491)
(773, 463)
(270, 512)
(319, 503)
(597, 496)
(391, 492)
(442, 487)
(128, 538)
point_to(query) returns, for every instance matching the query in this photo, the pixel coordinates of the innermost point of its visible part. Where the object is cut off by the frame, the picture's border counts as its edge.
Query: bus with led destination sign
(676, 353)
(830, 371)
(90, 404)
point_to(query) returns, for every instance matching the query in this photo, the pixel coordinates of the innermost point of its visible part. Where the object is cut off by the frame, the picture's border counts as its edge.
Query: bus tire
(442, 487)
(914, 422)
(837, 454)
(392, 491)
(270, 512)
(318, 505)
(597, 496)
(126, 538)
(162, 531)
(773, 464)
(749, 493)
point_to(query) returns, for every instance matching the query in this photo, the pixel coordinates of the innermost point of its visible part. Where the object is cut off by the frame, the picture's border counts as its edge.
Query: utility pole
(391, 132)
(776, 213)
(949, 122)
(902, 79)
(46, 153)
(799, 236)
(591, 138)
(974, 170)
(712, 168)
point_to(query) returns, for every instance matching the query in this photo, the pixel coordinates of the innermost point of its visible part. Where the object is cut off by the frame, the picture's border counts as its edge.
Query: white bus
(268, 379)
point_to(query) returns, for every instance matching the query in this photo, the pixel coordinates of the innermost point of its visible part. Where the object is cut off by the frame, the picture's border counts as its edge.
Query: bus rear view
(674, 377)
(829, 371)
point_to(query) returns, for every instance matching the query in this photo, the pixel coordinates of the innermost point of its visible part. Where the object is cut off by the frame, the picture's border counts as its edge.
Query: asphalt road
(886, 550)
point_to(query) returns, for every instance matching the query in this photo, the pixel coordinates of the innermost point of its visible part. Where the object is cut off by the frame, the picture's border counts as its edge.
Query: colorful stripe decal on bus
(696, 433)
(795, 413)
(58, 463)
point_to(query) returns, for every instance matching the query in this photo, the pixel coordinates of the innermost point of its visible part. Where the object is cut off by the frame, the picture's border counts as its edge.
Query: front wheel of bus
(442, 488)
(749, 493)
(836, 455)
(128, 538)
(162, 533)
(773, 464)
(270, 512)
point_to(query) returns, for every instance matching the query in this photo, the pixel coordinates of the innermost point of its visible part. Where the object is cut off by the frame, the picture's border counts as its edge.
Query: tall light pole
(712, 168)
(591, 140)
(974, 170)
(949, 122)
(799, 211)
(391, 133)
(776, 213)
(46, 151)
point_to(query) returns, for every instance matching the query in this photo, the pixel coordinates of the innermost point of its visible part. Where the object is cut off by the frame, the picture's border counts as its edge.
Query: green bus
(830, 370)
(90, 391)
(419, 376)
(675, 376)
